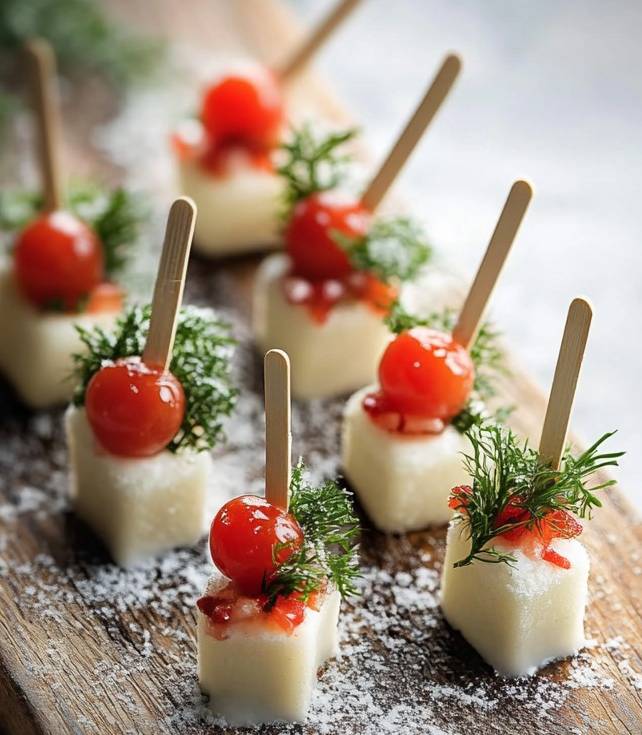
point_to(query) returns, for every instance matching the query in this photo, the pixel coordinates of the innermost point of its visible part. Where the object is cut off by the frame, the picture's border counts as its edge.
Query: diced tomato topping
(321, 296)
(105, 297)
(383, 411)
(58, 261)
(249, 538)
(532, 536)
(230, 606)
(133, 409)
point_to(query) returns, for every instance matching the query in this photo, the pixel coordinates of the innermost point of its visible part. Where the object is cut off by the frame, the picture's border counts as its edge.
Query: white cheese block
(237, 212)
(139, 507)
(517, 617)
(327, 359)
(259, 675)
(403, 481)
(36, 347)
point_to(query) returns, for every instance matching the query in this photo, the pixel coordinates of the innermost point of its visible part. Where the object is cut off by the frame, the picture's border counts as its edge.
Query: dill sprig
(329, 550)
(116, 216)
(507, 472)
(486, 354)
(393, 248)
(200, 361)
(313, 162)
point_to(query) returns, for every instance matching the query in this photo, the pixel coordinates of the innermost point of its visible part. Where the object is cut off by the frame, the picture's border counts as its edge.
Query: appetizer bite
(515, 577)
(148, 408)
(60, 270)
(226, 157)
(269, 620)
(403, 439)
(326, 298)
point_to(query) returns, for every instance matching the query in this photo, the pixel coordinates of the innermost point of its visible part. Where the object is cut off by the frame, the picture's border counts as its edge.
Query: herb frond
(313, 162)
(393, 248)
(329, 551)
(486, 354)
(200, 361)
(508, 473)
(116, 217)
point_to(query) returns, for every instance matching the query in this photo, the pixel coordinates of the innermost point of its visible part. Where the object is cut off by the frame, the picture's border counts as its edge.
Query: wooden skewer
(170, 281)
(42, 63)
(491, 266)
(316, 39)
(567, 371)
(410, 136)
(278, 437)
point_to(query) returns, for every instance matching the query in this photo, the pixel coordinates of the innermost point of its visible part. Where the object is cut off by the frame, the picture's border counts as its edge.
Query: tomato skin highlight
(133, 409)
(58, 260)
(243, 540)
(309, 235)
(245, 108)
(424, 372)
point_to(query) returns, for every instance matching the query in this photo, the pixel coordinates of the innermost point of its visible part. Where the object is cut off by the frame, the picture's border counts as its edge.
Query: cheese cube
(139, 507)
(36, 347)
(258, 675)
(238, 211)
(403, 481)
(518, 617)
(327, 359)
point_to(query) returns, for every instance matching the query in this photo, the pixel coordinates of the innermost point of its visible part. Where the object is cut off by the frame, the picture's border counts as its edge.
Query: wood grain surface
(87, 648)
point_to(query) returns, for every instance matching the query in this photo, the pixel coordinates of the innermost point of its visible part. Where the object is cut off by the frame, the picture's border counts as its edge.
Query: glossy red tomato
(426, 373)
(249, 538)
(309, 235)
(134, 410)
(58, 261)
(244, 108)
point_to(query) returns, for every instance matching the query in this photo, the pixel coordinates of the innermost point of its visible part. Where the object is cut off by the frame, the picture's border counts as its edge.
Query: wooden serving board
(88, 648)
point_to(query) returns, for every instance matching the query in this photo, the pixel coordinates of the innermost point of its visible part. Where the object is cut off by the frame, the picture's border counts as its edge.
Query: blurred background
(550, 91)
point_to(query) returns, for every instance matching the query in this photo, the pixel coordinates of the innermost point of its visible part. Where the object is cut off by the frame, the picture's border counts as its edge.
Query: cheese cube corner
(258, 676)
(238, 212)
(36, 347)
(403, 482)
(518, 617)
(139, 507)
(328, 359)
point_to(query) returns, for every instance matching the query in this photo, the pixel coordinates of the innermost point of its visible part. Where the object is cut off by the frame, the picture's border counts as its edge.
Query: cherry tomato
(424, 372)
(58, 260)
(249, 538)
(244, 108)
(134, 410)
(309, 236)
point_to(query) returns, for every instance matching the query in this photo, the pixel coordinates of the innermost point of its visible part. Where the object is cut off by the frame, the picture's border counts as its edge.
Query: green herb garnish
(486, 354)
(200, 361)
(508, 473)
(329, 551)
(115, 216)
(313, 163)
(394, 248)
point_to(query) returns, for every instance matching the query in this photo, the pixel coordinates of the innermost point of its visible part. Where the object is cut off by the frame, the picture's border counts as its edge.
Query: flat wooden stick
(42, 63)
(411, 134)
(170, 281)
(302, 55)
(567, 371)
(491, 266)
(278, 437)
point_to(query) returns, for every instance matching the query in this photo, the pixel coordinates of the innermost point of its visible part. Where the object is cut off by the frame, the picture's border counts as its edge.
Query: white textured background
(550, 91)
